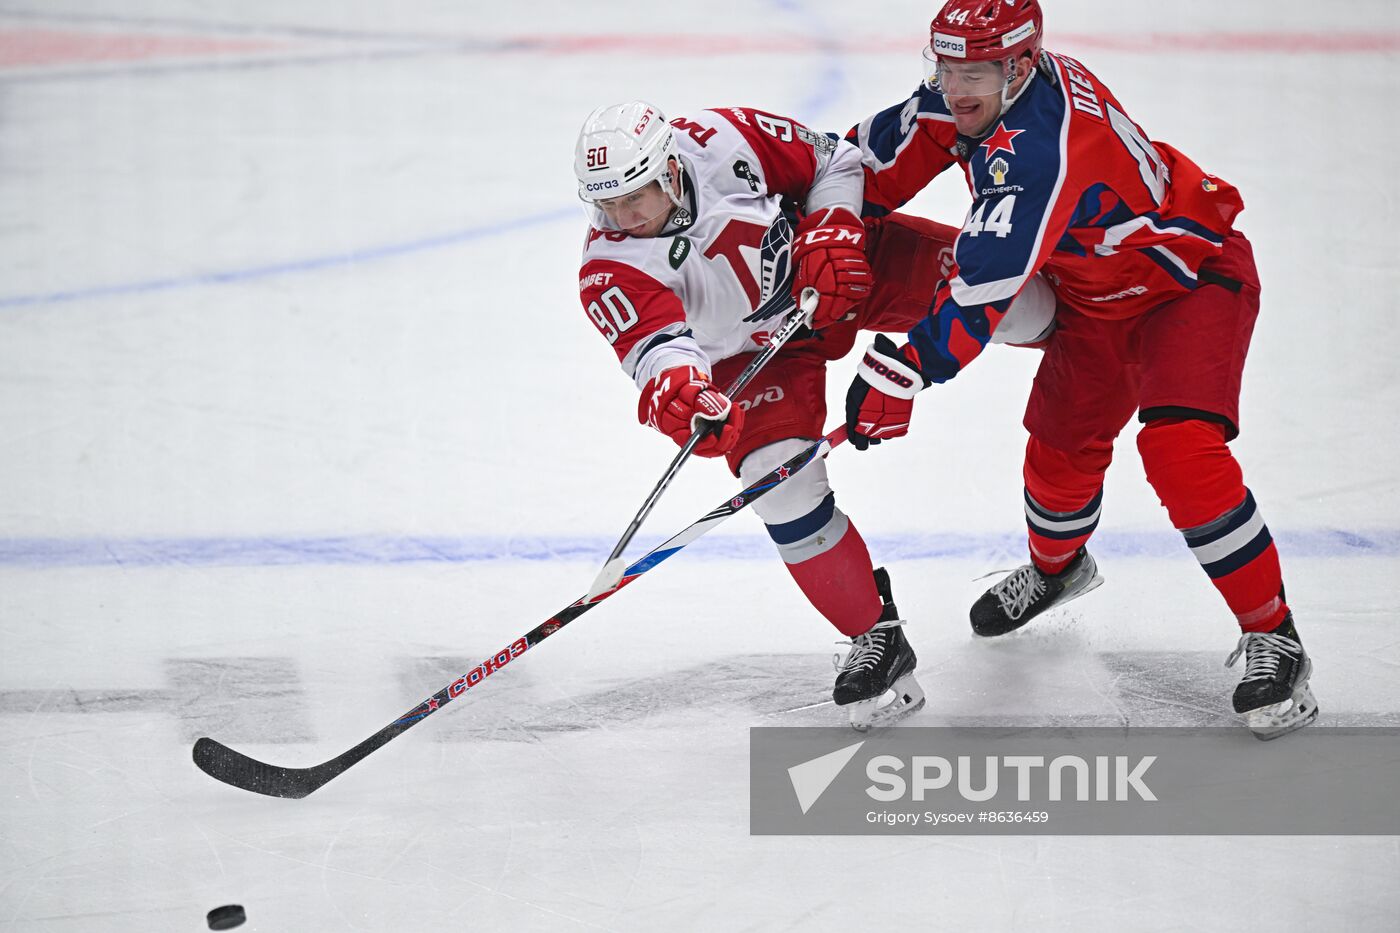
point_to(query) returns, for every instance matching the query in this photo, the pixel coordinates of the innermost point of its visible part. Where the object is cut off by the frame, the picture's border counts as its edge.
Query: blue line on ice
(234, 276)
(387, 550)
(826, 87)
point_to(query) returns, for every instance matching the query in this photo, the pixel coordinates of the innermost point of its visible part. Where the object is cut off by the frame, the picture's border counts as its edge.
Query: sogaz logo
(601, 185)
(952, 46)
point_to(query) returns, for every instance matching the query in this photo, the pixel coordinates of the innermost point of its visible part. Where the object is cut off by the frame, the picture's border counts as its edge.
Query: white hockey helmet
(621, 148)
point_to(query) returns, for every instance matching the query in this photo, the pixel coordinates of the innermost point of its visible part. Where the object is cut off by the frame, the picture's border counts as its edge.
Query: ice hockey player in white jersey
(702, 229)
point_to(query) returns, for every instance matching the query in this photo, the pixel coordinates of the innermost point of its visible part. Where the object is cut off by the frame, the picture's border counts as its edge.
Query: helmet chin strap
(1006, 102)
(672, 181)
(681, 216)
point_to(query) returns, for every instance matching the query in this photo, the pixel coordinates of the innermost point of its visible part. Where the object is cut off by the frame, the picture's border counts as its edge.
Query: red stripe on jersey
(625, 304)
(788, 162)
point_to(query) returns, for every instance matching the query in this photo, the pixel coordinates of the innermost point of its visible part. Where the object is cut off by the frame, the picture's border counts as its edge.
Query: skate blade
(1270, 722)
(902, 700)
(1094, 583)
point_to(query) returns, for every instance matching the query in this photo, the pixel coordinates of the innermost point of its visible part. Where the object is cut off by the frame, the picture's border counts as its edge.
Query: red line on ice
(1213, 43)
(28, 47)
(1320, 42)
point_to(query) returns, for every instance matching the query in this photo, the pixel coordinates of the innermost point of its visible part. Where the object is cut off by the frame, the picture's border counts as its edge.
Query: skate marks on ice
(266, 700)
(1135, 688)
(523, 706)
(238, 699)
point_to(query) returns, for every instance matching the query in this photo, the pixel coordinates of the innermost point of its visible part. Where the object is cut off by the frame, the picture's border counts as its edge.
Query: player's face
(640, 213)
(973, 91)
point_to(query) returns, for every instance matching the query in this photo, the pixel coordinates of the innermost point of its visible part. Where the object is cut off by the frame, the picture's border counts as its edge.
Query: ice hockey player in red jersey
(702, 229)
(1157, 298)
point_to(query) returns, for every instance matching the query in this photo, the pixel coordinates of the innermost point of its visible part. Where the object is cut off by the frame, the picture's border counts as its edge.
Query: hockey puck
(226, 917)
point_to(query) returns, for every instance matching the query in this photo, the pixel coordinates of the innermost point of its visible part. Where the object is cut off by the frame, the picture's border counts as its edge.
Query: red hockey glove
(683, 400)
(828, 254)
(881, 398)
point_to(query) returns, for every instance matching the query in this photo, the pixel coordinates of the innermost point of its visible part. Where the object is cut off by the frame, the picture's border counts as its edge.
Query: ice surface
(299, 420)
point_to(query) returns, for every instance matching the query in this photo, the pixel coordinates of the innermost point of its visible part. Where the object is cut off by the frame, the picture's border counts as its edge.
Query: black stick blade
(238, 770)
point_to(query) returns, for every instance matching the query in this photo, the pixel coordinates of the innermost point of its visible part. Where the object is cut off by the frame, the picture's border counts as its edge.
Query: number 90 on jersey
(618, 317)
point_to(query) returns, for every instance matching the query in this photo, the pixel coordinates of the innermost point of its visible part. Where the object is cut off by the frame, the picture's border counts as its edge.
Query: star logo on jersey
(1001, 140)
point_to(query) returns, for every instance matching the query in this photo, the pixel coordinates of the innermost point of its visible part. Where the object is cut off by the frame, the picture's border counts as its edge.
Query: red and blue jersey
(1064, 184)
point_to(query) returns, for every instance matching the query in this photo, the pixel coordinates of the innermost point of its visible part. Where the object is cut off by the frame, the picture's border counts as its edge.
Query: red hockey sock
(1201, 485)
(1064, 493)
(840, 583)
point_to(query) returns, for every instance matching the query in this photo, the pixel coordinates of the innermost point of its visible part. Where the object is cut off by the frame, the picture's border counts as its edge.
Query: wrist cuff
(889, 374)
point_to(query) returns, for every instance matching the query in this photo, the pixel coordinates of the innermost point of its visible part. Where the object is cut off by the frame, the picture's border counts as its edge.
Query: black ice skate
(1274, 696)
(1028, 591)
(876, 681)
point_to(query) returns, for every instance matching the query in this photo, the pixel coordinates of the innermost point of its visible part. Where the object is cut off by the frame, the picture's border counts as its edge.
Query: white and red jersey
(718, 279)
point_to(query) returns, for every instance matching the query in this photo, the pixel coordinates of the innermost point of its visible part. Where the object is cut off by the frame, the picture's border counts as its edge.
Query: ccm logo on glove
(828, 253)
(830, 235)
(683, 400)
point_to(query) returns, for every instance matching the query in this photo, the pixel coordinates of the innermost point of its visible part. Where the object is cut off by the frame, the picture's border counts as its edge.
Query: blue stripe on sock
(1040, 519)
(806, 526)
(1222, 526)
(1238, 558)
(1050, 516)
(1063, 535)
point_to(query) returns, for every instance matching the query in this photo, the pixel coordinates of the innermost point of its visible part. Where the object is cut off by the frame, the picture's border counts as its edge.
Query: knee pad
(797, 497)
(1063, 481)
(1190, 467)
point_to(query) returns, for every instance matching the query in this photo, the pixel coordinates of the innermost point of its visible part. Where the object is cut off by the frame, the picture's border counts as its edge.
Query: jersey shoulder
(883, 136)
(715, 152)
(618, 259)
(1094, 115)
(706, 133)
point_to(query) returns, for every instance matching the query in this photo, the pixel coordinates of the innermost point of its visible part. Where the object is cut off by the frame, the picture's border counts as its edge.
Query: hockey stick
(224, 764)
(614, 566)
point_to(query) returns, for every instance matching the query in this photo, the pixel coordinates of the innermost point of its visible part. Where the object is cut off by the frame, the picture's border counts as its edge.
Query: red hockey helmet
(987, 30)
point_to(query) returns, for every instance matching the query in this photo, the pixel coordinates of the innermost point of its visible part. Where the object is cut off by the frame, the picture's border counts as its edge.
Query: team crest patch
(1208, 185)
(680, 248)
(998, 168)
(1002, 140)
